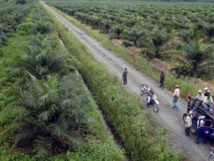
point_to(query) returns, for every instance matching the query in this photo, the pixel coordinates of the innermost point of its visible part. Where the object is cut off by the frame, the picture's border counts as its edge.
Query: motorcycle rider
(150, 95)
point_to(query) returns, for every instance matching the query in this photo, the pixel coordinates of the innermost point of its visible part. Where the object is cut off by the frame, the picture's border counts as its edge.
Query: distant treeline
(142, 0)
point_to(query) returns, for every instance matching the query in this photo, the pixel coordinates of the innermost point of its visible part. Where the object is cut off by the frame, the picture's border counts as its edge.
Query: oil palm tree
(156, 45)
(209, 30)
(117, 30)
(54, 115)
(197, 60)
(42, 59)
(134, 34)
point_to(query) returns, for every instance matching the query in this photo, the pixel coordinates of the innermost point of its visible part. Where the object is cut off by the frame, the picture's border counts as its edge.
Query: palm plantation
(53, 108)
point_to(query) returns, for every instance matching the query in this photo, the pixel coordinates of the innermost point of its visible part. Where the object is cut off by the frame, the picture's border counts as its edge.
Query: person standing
(162, 77)
(125, 73)
(176, 96)
(199, 133)
(189, 101)
(188, 123)
(206, 92)
(200, 95)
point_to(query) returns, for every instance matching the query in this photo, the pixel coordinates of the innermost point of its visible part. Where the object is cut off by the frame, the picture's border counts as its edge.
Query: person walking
(176, 96)
(162, 77)
(125, 72)
(188, 123)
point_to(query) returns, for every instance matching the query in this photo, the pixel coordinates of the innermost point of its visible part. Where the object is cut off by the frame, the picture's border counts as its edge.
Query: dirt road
(168, 117)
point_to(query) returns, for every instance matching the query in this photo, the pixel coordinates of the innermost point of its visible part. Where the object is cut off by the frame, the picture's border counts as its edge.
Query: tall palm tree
(197, 60)
(54, 115)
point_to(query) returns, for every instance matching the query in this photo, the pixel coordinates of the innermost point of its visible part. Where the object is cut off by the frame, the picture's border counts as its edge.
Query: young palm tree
(134, 34)
(117, 30)
(198, 60)
(186, 35)
(209, 30)
(43, 58)
(105, 25)
(54, 115)
(157, 43)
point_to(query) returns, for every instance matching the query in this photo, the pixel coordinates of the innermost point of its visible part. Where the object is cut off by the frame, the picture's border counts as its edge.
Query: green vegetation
(139, 62)
(161, 35)
(141, 137)
(44, 108)
(11, 15)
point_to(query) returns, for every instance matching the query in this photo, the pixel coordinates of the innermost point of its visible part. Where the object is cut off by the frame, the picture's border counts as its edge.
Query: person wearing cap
(206, 91)
(176, 96)
(199, 133)
(188, 123)
(200, 95)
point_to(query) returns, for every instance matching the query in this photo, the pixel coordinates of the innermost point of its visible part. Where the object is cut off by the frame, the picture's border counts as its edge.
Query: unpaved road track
(168, 117)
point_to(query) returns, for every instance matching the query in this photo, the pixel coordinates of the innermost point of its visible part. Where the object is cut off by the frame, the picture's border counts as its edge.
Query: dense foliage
(11, 15)
(161, 31)
(44, 107)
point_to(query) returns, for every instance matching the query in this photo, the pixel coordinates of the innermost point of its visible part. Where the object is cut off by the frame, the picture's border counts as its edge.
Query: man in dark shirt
(125, 76)
(162, 77)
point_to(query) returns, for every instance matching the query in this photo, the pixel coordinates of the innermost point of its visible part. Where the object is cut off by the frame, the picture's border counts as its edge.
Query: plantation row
(44, 108)
(141, 137)
(11, 14)
(166, 31)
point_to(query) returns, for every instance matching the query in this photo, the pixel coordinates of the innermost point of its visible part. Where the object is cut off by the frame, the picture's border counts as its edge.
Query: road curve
(167, 117)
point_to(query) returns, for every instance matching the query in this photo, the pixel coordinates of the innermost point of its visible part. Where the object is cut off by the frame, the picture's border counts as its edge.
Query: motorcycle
(153, 102)
(144, 89)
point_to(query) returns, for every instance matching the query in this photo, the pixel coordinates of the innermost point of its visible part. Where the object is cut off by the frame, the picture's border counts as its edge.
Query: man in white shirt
(188, 123)
(200, 95)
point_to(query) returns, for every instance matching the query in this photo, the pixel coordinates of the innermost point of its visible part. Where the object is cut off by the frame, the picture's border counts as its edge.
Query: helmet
(199, 91)
(176, 86)
(206, 88)
(188, 95)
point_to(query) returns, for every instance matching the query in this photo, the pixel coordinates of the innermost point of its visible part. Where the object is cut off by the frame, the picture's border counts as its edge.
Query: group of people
(203, 99)
(206, 101)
